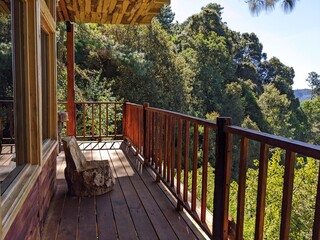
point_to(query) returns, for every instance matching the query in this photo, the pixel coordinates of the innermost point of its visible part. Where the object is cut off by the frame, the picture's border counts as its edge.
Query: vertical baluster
(146, 131)
(173, 150)
(92, 120)
(194, 167)
(204, 174)
(139, 130)
(84, 122)
(160, 144)
(287, 195)
(1, 118)
(166, 150)
(186, 161)
(136, 128)
(100, 122)
(152, 136)
(242, 186)
(262, 188)
(107, 120)
(115, 121)
(169, 149)
(179, 149)
(155, 155)
(316, 223)
(11, 120)
(124, 119)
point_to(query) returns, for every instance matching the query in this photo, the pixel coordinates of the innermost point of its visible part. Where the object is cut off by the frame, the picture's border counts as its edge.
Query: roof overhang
(133, 12)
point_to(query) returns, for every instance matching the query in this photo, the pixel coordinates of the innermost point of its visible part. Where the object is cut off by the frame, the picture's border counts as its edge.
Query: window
(9, 168)
(45, 87)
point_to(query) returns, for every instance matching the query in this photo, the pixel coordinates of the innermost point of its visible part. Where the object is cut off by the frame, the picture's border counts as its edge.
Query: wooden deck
(137, 207)
(6, 160)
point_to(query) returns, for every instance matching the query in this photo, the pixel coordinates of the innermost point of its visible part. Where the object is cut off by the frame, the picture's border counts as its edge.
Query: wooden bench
(85, 178)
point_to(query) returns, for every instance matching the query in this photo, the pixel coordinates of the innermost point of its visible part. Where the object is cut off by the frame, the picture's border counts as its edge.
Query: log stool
(85, 178)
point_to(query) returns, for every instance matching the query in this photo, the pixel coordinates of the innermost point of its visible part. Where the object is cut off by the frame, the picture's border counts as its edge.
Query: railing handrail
(295, 146)
(198, 120)
(90, 102)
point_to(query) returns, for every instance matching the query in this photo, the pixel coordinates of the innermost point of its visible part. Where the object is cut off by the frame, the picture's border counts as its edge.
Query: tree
(6, 81)
(312, 110)
(256, 6)
(314, 82)
(166, 17)
(276, 109)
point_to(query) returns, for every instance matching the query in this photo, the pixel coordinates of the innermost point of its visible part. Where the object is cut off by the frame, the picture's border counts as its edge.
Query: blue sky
(294, 38)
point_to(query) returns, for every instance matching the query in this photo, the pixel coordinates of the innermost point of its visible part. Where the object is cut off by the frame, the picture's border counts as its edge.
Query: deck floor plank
(124, 222)
(106, 224)
(54, 214)
(69, 219)
(164, 229)
(175, 220)
(87, 219)
(143, 225)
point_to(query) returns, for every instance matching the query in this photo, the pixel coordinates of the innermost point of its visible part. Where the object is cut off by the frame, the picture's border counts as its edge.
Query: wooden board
(110, 11)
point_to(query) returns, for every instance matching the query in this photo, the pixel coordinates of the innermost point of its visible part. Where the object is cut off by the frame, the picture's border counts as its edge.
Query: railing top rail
(276, 141)
(92, 102)
(6, 101)
(134, 104)
(197, 120)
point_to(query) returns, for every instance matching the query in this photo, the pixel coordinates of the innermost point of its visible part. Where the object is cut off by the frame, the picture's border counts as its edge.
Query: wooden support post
(71, 124)
(124, 119)
(146, 124)
(222, 180)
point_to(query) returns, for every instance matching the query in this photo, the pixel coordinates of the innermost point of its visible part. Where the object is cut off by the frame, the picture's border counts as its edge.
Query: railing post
(124, 118)
(146, 124)
(222, 180)
(71, 108)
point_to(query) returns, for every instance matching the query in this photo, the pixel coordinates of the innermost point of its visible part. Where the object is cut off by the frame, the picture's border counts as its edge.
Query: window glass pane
(45, 85)
(7, 143)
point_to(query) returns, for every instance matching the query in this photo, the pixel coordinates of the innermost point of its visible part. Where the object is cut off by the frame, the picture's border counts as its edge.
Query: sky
(293, 37)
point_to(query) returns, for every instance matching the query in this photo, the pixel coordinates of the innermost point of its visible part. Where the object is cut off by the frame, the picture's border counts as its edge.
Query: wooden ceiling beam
(64, 10)
(4, 8)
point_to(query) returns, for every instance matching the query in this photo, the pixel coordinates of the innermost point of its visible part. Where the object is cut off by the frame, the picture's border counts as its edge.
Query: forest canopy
(198, 67)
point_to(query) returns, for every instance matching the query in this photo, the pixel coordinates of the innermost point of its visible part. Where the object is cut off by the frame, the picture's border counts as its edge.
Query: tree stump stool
(85, 178)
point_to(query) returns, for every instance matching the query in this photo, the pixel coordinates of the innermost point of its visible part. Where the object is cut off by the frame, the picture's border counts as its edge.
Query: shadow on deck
(137, 207)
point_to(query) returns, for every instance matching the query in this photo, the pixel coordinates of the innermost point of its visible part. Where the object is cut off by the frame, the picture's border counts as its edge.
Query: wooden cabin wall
(26, 201)
(29, 221)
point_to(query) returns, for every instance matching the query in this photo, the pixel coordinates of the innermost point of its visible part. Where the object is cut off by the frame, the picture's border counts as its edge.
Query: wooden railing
(96, 120)
(291, 148)
(174, 146)
(6, 120)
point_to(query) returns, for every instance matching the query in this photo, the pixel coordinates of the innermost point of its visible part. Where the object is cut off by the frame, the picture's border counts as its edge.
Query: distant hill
(303, 94)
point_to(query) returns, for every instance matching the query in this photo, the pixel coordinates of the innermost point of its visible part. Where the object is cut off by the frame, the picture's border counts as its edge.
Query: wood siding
(29, 221)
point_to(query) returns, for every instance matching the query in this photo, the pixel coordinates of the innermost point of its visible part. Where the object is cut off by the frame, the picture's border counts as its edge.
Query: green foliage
(314, 82)
(275, 108)
(166, 18)
(6, 89)
(311, 109)
(256, 6)
(304, 196)
(304, 193)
